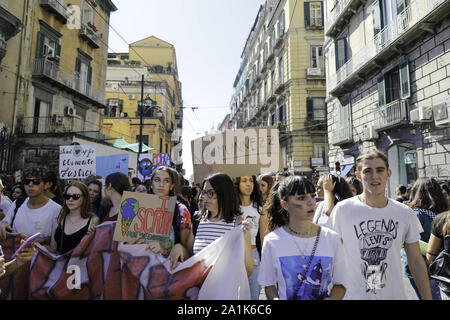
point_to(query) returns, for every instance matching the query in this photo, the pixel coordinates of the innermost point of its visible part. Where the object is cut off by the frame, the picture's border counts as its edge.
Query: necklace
(307, 233)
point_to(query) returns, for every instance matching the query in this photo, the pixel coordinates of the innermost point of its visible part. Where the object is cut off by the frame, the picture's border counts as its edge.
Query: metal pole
(141, 115)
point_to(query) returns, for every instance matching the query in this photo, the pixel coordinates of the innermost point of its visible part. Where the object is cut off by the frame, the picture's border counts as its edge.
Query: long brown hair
(426, 193)
(446, 224)
(85, 206)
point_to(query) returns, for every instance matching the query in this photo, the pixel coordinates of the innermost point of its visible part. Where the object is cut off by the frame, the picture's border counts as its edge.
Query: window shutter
(381, 91)
(307, 18)
(40, 45)
(89, 75)
(309, 108)
(78, 65)
(120, 106)
(405, 91)
(321, 12)
(57, 49)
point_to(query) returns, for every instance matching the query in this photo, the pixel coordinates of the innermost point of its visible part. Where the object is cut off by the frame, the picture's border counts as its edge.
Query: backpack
(19, 202)
(440, 267)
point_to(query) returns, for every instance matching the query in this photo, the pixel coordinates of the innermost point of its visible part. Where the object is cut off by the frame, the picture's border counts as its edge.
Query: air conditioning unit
(70, 111)
(313, 71)
(370, 133)
(131, 97)
(421, 114)
(441, 113)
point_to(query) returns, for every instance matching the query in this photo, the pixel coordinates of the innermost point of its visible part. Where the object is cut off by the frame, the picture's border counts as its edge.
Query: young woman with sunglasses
(251, 203)
(300, 259)
(75, 220)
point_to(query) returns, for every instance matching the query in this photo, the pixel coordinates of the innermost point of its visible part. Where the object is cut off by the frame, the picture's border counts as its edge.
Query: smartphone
(26, 244)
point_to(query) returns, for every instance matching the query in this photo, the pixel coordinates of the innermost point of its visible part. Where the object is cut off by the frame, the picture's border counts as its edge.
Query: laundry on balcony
(122, 144)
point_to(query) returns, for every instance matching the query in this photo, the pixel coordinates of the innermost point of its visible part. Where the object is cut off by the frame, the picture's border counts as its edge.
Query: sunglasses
(35, 181)
(73, 196)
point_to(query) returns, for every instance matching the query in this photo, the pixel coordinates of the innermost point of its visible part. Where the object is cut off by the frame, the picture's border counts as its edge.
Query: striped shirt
(208, 231)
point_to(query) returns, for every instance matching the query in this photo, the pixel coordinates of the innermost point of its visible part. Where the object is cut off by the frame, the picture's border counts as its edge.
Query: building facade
(54, 72)
(281, 81)
(154, 59)
(388, 84)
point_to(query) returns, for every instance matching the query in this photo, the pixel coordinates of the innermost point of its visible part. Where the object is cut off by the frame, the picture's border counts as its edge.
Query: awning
(122, 144)
(345, 169)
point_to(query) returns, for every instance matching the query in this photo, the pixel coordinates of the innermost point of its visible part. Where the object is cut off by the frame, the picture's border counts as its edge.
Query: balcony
(87, 33)
(408, 27)
(392, 115)
(339, 16)
(279, 42)
(344, 133)
(57, 124)
(314, 23)
(71, 82)
(280, 85)
(57, 7)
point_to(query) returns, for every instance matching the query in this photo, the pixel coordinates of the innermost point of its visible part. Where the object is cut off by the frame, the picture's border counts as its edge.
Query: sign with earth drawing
(145, 216)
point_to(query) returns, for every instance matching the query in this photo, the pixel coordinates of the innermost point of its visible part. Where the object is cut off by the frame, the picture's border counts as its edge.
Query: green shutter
(89, 75)
(120, 106)
(78, 65)
(405, 91)
(40, 45)
(57, 49)
(307, 18)
(321, 11)
(309, 109)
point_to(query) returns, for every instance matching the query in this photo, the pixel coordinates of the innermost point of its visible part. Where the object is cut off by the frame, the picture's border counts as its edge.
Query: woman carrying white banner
(300, 260)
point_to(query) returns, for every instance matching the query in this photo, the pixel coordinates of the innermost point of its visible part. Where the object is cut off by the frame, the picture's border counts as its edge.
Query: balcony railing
(409, 17)
(57, 124)
(56, 6)
(73, 81)
(87, 33)
(335, 13)
(393, 114)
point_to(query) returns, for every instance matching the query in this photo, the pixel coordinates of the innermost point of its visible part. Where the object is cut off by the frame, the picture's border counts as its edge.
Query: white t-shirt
(282, 262)
(31, 221)
(5, 204)
(250, 213)
(208, 231)
(372, 240)
(320, 217)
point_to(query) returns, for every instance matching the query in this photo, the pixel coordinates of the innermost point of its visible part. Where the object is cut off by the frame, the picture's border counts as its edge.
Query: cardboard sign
(149, 162)
(106, 165)
(241, 152)
(145, 216)
(76, 162)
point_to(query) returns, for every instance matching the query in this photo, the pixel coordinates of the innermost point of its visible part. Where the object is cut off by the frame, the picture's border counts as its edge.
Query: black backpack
(19, 202)
(440, 267)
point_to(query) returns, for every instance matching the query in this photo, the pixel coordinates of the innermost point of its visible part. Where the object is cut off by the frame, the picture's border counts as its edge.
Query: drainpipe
(19, 64)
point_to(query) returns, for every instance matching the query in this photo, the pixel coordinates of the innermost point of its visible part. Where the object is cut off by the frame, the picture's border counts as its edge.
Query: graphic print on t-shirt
(315, 285)
(375, 239)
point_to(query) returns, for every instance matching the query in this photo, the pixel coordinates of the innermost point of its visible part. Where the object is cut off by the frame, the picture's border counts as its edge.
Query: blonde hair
(371, 154)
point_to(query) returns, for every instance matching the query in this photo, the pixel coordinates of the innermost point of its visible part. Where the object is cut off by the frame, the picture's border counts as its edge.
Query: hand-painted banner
(102, 269)
(150, 161)
(110, 164)
(76, 162)
(145, 216)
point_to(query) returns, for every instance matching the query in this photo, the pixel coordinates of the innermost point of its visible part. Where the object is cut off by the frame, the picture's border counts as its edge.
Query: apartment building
(388, 84)
(155, 59)
(54, 73)
(281, 81)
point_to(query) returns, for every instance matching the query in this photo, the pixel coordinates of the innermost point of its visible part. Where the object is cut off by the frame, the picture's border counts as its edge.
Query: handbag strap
(312, 253)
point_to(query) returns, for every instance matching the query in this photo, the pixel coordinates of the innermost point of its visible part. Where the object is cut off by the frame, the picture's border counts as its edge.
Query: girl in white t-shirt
(250, 204)
(300, 260)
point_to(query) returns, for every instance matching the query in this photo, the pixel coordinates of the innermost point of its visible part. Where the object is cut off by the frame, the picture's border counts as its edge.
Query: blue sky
(208, 35)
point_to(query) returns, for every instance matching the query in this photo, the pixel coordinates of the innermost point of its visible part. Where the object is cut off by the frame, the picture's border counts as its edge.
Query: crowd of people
(338, 238)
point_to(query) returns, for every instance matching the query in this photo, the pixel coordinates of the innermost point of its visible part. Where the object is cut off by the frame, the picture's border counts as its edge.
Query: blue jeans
(435, 291)
(255, 288)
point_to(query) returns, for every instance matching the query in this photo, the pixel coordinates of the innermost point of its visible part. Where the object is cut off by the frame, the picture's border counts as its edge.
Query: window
(144, 139)
(167, 148)
(272, 119)
(317, 57)
(265, 89)
(321, 152)
(265, 52)
(88, 13)
(281, 26)
(160, 145)
(394, 85)
(340, 46)
(282, 114)
(316, 109)
(280, 70)
(124, 57)
(83, 73)
(48, 47)
(272, 80)
(313, 14)
(380, 15)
